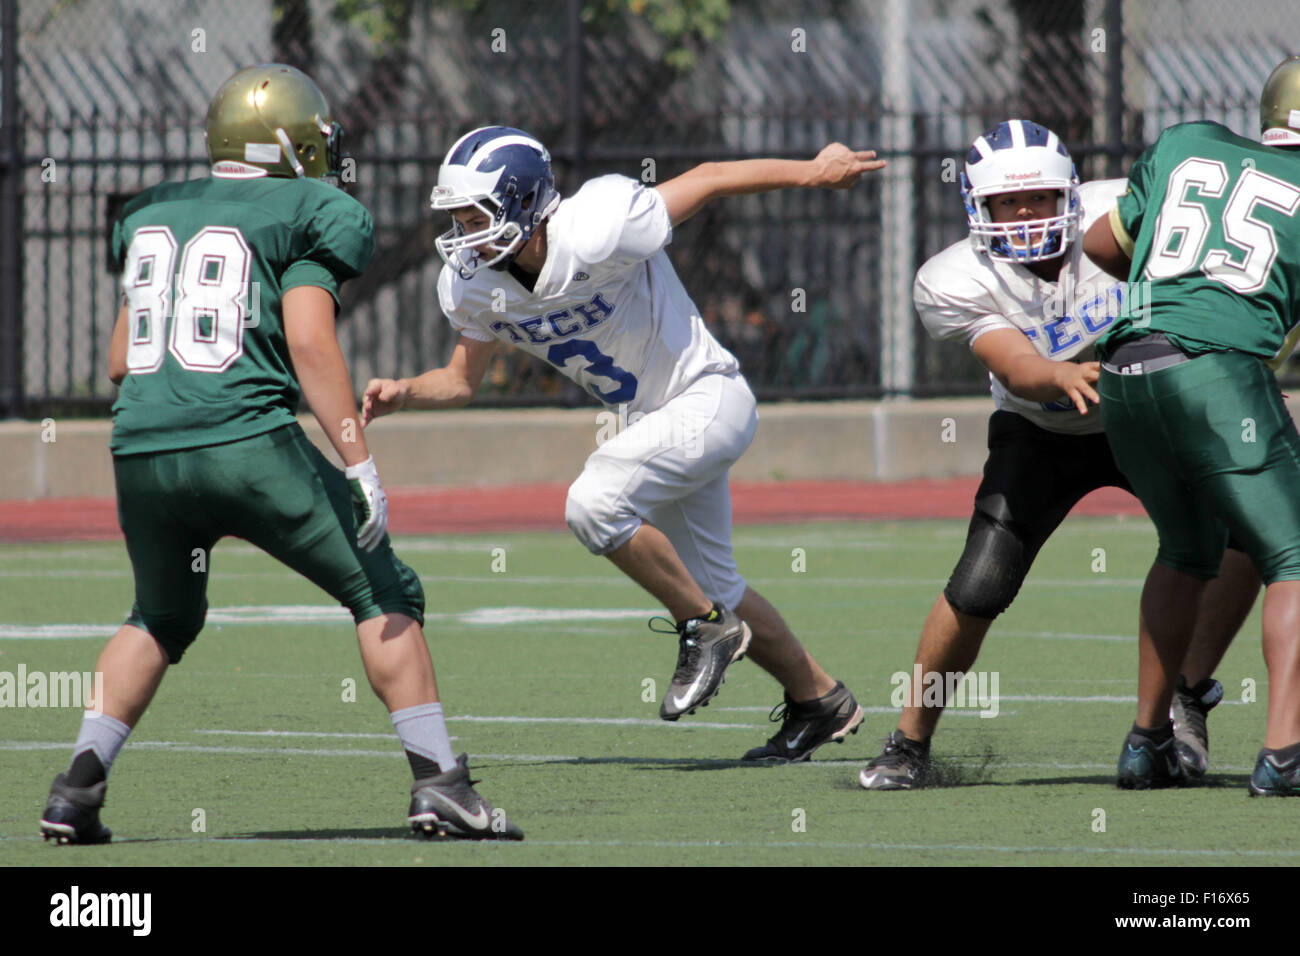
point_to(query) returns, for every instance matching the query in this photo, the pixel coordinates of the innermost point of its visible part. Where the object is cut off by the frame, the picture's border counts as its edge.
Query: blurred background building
(812, 290)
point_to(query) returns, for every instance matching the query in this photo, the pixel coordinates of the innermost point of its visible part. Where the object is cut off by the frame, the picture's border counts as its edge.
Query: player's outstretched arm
(835, 167)
(449, 387)
(1018, 366)
(1102, 247)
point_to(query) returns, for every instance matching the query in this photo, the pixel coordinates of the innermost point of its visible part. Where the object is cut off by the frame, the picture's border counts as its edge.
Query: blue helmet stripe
(1003, 136)
(473, 141)
(1000, 136)
(1034, 134)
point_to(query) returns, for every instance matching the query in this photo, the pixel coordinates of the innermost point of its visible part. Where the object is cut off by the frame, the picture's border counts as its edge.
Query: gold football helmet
(273, 116)
(1279, 105)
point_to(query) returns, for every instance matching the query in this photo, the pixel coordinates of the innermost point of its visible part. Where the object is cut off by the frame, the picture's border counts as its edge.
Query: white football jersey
(961, 294)
(607, 309)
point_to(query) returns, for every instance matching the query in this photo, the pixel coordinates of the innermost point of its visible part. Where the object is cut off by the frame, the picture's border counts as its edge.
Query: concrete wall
(844, 441)
(824, 441)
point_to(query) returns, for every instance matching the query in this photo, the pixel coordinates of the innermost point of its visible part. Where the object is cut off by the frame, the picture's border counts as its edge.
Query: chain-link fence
(102, 98)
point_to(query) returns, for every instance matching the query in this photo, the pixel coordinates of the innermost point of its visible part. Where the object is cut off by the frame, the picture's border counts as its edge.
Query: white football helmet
(506, 175)
(1015, 156)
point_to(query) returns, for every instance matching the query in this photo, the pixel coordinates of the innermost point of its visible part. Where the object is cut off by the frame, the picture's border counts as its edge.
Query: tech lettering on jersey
(1094, 315)
(550, 326)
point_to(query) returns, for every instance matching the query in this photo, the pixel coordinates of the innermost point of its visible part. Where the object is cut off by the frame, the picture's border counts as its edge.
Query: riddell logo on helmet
(1036, 174)
(1277, 135)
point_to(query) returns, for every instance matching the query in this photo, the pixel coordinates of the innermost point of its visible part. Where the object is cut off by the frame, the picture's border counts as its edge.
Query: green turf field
(544, 667)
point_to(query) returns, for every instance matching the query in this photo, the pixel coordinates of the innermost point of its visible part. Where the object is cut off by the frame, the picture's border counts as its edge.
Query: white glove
(369, 503)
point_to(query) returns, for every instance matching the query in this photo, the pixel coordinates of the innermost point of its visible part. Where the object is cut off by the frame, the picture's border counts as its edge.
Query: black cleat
(1273, 779)
(72, 813)
(1188, 710)
(707, 649)
(904, 764)
(1146, 765)
(448, 803)
(807, 725)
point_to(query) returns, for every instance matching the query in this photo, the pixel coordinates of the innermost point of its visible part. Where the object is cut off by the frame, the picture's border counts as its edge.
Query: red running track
(541, 507)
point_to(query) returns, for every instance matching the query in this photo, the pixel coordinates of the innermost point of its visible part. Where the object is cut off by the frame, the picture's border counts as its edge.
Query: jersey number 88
(209, 290)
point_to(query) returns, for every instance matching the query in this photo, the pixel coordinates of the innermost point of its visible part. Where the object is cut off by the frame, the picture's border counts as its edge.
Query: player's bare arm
(835, 167)
(1101, 246)
(321, 369)
(1018, 366)
(452, 386)
(117, 348)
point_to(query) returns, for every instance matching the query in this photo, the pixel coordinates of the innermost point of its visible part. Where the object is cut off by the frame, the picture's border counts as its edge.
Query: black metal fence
(100, 99)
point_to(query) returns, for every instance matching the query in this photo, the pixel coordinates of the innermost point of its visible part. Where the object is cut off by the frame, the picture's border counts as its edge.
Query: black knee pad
(173, 636)
(990, 571)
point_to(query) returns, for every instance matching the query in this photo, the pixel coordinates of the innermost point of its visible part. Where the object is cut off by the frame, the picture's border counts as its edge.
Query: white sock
(103, 734)
(423, 731)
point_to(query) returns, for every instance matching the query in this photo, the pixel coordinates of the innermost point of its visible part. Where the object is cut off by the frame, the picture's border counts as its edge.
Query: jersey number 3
(207, 307)
(599, 365)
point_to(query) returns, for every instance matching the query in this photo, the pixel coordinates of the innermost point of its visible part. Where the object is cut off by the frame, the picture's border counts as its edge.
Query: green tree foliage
(386, 22)
(684, 24)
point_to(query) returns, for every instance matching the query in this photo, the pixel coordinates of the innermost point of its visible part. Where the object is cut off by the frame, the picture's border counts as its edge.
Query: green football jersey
(1212, 223)
(205, 263)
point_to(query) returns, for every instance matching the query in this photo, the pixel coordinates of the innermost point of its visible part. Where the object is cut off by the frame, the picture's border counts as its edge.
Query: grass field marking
(220, 574)
(948, 847)
(318, 613)
(65, 573)
(496, 719)
(1092, 699)
(602, 721)
(881, 710)
(27, 553)
(1112, 583)
(176, 745)
(821, 534)
(500, 616)
(298, 733)
(895, 711)
(401, 838)
(1070, 636)
(422, 543)
(51, 632)
(1117, 524)
(480, 545)
(169, 746)
(179, 747)
(534, 580)
(1024, 698)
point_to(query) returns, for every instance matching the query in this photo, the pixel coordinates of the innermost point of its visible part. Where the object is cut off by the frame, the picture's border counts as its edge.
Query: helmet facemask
(333, 133)
(1024, 240)
(490, 248)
